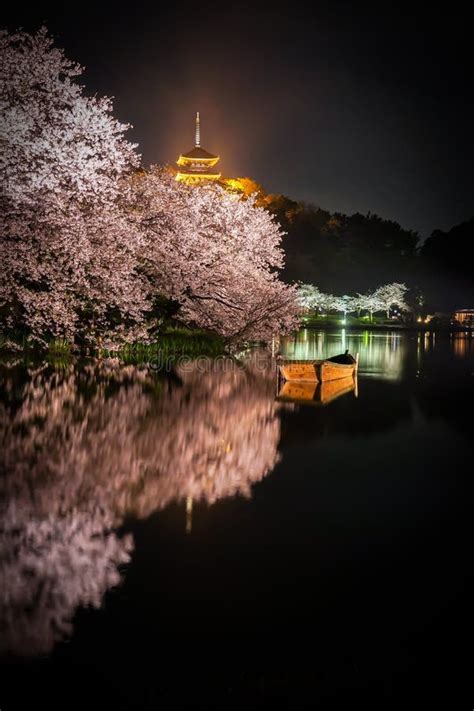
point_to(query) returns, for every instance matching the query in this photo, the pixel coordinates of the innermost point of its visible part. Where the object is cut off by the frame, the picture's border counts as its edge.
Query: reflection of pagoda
(197, 164)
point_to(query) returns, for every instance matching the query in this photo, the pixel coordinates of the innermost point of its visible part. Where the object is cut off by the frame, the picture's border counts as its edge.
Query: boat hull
(318, 371)
(335, 371)
(305, 372)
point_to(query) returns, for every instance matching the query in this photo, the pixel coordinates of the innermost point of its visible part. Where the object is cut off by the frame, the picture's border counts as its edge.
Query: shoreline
(413, 328)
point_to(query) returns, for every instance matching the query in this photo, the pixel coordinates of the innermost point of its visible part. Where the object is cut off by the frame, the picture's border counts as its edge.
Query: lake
(190, 537)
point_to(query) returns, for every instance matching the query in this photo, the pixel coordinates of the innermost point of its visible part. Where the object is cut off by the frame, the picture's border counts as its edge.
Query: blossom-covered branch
(89, 243)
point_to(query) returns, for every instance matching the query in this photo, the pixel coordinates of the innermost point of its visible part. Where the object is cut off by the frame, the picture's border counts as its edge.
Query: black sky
(349, 107)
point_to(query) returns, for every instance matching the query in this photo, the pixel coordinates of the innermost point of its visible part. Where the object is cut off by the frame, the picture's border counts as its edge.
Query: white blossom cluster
(383, 298)
(88, 242)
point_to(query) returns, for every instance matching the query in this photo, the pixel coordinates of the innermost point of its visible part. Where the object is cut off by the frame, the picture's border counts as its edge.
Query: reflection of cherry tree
(218, 442)
(83, 449)
(210, 437)
(49, 567)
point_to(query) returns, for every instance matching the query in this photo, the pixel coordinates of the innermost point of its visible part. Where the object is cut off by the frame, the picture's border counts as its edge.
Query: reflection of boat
(297, 392)
(316, 393)
(314, 371)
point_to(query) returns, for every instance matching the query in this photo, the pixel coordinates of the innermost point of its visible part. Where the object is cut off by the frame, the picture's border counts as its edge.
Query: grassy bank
(170, 344)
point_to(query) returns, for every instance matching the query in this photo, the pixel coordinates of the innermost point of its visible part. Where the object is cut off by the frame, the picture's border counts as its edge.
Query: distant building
(197, 164)
(465, 317)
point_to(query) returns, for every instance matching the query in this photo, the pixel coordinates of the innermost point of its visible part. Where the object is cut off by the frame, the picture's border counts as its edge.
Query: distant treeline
(355, 253)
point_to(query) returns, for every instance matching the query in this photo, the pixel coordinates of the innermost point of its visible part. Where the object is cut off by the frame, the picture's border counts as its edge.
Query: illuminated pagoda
(197, 164)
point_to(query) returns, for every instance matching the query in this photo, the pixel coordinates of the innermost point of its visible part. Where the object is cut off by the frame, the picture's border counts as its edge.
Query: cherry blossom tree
(216, 255)
(382, 299)
(344, 304)
(370, 302)
(67, 252)
(392, 295)
(311, 298)
(85, 253)
(359, 302)
(87, 249)
(56, 141)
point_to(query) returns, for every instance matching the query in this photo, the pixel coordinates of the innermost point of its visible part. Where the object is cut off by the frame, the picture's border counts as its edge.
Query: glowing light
(196, 162)
(198, 131)
(189, 514)
(193, 178)
(234, 184)
(465, 317)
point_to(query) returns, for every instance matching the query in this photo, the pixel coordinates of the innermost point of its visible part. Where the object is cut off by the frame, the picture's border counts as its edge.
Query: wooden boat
(320, 371)
(306, 393)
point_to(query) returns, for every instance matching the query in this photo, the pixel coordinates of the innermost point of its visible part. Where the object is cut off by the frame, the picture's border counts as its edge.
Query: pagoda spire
(197, 164)
(198, 131)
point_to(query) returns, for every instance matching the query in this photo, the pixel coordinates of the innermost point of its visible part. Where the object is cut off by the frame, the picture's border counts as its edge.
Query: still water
(191, 538)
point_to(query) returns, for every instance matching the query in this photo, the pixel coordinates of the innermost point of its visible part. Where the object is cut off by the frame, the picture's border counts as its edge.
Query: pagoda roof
(199, 154)
(195, 176)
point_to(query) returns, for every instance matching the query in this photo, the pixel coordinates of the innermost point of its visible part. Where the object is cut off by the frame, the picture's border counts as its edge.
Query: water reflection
(49, 567)
(463, 345)
(380, 354)
(306, 393)
(90, 446)
(85, 448)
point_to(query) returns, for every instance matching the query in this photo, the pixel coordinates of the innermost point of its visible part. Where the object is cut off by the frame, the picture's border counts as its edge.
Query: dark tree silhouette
(446, 267)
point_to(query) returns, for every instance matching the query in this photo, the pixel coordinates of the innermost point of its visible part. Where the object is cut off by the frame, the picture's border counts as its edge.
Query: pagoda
(197, 164)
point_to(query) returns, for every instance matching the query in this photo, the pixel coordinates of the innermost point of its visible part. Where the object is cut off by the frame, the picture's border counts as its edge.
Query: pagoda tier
(197, 164)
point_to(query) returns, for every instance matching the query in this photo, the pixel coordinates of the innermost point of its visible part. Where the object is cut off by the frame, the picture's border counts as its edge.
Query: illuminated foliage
(214, 254)
(391, 295)
(66, 251)
(382, 299)
(87, 250)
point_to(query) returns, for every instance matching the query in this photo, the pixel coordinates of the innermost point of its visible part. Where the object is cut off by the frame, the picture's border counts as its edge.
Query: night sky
(350, 108)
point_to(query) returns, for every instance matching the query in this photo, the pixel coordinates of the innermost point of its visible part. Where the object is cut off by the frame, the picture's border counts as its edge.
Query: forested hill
(447, 265)
(353, 253)
(344, 253)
